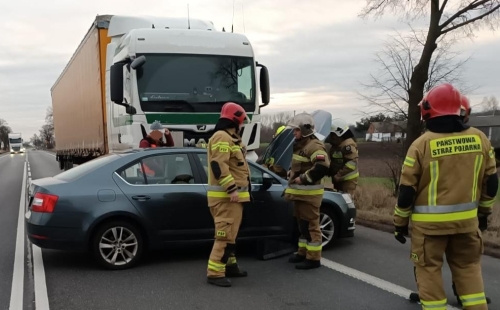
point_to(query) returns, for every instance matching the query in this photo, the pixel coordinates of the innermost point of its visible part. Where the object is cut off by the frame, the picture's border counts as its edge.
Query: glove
(400, 232)
(483, 221)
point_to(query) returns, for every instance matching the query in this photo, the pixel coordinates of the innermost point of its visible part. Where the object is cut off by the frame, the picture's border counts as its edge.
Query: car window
(256, 174)
(168, 169)
(133, 174)
(80, 170)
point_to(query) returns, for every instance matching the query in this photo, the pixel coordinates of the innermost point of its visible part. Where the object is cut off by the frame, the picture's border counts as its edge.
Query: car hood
(281, 148)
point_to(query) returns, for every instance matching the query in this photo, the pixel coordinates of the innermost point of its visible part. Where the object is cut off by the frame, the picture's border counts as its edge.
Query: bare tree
(47, 130)
(459, 19)
(4, 134)
(490, 104)
(275, 120)
(391, 86)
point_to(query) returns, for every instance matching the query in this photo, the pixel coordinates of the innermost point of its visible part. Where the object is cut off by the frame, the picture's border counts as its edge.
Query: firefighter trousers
(310, 239)
(346, 187)
(227, 220)
(463, 254)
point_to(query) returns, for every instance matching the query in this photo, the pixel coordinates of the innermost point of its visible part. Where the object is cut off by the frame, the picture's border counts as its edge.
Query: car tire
(127, 254)
(329, 225)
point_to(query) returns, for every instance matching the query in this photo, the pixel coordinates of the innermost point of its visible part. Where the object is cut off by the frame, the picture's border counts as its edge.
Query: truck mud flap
(270, 248)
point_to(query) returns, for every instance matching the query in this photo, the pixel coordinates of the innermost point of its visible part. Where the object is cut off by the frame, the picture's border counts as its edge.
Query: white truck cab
(16, 143)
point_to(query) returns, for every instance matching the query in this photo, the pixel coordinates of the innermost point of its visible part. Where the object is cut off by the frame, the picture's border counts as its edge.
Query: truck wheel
(117, 245)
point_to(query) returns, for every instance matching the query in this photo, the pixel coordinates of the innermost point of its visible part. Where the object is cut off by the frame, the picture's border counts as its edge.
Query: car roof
(161, 149)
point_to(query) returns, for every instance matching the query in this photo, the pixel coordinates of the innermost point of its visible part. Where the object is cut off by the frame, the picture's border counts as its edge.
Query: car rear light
(44, 203)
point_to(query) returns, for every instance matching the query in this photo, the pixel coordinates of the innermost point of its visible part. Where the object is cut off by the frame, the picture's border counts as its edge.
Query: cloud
(317, 52)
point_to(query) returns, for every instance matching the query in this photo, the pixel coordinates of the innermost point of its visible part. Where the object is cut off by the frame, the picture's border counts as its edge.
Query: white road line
(41, 296)
(16, 293)
(377, 282)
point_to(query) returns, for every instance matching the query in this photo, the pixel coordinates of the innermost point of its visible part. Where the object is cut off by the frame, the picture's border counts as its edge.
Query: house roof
(389, 126)
(484, 121)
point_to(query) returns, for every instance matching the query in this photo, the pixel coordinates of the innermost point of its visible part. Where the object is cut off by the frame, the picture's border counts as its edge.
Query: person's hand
(167, 132)
(233, 197)
(297, 180)
(400, 232)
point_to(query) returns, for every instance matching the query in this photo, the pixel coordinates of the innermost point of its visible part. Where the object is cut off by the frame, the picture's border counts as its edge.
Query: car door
(170, 195)
(274, 213)
(268, 214)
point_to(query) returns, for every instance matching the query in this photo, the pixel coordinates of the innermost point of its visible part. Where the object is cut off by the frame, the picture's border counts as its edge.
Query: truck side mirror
(116, 85)
(138, 62)
(264, 85)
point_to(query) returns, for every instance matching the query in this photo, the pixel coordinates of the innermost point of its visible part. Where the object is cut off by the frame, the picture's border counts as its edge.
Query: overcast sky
(317, 52)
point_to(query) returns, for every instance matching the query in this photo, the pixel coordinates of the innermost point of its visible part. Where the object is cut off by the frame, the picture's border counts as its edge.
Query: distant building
(490, 125)
(386, 131)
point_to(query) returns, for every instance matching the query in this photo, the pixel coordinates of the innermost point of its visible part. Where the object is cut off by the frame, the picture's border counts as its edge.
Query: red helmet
(440, 101)
(465, 109)
(234, 112)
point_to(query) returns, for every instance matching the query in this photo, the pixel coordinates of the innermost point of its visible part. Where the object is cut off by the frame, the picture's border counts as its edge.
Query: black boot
(233, 271)
(308, 264)
(414, 297)
(223, 282)
(296, 258)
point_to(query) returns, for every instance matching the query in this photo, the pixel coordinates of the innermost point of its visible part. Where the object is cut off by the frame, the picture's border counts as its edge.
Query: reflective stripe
(306, 187)
(432, 193)
(222, 147)
(473, 299)
(434, 305)
(445, 208)
(337, 154)
(409, 161)
(216, 266)
(445, 217)
(302, 243)
(351, 165)
(491, 153)
(401, 213)
(226, 180)
(487, 203)
(226, 195)
(304, 192)
(477, 170)
(313, 246)
(300, 158)
(215, 188)
(350, 176)
(231, 260)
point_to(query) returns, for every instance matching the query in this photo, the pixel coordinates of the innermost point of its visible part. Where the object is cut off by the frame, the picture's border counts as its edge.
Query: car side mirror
(267, 181)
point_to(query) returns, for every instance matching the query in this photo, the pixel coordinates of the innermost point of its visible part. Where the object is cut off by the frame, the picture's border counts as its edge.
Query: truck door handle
(141, 197)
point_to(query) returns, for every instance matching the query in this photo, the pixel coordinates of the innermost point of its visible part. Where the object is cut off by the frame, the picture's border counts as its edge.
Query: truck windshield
(195, 83)
(15, 140)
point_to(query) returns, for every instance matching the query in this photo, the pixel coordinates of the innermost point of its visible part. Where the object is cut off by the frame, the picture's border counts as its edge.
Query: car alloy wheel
(327, 226)
(117, 245)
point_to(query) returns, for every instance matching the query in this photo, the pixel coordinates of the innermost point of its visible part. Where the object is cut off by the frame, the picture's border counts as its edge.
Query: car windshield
(15, 140)
(195, 83)
(81, 170)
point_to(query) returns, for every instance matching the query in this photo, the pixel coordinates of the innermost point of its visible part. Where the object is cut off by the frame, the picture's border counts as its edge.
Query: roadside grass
(375, 203)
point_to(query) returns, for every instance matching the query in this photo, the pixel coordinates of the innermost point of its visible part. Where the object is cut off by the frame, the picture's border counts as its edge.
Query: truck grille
(16, 148)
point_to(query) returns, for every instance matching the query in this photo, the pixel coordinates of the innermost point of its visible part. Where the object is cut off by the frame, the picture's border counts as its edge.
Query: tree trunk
(420, 75)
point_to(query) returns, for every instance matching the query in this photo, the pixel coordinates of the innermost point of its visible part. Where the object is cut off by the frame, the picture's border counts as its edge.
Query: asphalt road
(369, 271)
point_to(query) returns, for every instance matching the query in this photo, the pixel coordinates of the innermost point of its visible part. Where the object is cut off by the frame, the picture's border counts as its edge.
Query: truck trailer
(130, 71)
(16, 143)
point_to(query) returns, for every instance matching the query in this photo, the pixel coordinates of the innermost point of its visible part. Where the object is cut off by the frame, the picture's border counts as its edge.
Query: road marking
(16, 293)
(41, 295)
(374, 281)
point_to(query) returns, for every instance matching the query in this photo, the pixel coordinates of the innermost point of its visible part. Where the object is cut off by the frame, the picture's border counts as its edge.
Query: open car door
(280, 150)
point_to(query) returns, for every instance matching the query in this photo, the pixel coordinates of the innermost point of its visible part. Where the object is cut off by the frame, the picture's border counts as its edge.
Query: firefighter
(343, 157)
(305, 188)
(228, 188)
(278, 131)
(448, 187)
(465, 111)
